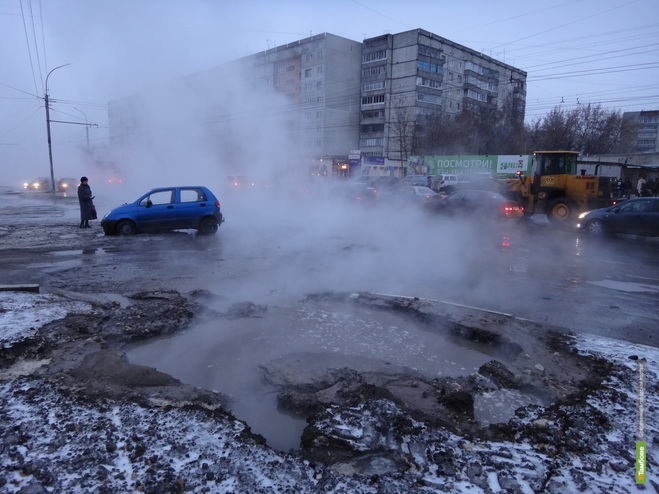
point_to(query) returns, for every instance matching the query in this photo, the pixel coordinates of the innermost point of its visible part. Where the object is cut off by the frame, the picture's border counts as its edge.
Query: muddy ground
(386, 430)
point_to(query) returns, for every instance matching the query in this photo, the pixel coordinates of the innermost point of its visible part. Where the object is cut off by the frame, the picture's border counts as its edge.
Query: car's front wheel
(207, 226)
(596, 228)
(126, 227)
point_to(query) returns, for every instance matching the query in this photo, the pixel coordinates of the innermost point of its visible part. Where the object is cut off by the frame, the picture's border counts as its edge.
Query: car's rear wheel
(126, 227)
(596, 228)
(207, 226)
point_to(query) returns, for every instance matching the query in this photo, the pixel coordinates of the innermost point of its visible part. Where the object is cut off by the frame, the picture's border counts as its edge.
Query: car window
(655, 206)
(160, 197)
(635, 206)
(192, 195)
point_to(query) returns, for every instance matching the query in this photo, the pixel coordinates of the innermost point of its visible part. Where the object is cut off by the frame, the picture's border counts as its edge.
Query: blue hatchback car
(167, 208)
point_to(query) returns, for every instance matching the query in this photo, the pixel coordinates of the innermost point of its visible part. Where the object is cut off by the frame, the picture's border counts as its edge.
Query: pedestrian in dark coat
(86, 200)
(628, 187)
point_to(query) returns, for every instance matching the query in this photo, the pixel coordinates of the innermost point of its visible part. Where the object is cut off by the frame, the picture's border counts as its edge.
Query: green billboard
(470, 166)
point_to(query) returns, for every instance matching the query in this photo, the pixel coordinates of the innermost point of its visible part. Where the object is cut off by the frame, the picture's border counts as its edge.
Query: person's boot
(82, 224)
(87, 224)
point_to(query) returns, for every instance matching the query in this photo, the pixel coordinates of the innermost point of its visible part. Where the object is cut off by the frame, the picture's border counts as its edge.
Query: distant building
(323, 104)
(416, 76)
(648, 130)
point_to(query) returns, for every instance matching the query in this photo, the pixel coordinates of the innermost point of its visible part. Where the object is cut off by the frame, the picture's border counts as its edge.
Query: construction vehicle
(557, 189)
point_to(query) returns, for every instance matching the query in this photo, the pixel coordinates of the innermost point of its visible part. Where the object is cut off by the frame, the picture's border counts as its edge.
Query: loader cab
(555, 163)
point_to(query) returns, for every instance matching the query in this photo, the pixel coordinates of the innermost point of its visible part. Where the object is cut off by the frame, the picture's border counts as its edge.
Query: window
(158, 198)
(319, 85)
(429, 51)
(290, 68)
(377, 70)
(430, 67)
(308, 86)
(476, 95)
(487, 86)
(636, 206)
(429, 98)
(373, 100)
(373, 114)
(319, 69)
(372, 128)
(422, 81)
(481, 70)
(373, 56)
(373, 86)
(192, 195)
(308, 57)
(373, 141)
(320, 55)
(307, 73)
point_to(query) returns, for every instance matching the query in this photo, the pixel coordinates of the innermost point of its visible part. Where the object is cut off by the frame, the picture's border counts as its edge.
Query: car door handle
(170, 207)
(202, 204)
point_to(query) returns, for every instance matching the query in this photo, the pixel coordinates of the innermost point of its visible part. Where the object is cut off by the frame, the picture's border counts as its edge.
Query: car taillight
(217, 204)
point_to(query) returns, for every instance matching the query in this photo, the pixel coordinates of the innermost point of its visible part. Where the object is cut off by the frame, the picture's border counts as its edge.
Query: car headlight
(583, 215)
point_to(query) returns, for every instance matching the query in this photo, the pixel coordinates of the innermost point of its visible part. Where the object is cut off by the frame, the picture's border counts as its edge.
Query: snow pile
(56, 439)
(23, 313)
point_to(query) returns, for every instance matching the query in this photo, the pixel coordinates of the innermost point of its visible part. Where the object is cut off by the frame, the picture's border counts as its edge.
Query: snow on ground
(23, 313)
(57, 438)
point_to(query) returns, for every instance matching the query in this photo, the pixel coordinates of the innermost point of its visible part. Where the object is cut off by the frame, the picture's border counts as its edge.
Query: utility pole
(50, 147)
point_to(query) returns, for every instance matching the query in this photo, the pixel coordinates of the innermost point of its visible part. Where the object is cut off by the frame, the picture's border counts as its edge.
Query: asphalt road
(270, 251)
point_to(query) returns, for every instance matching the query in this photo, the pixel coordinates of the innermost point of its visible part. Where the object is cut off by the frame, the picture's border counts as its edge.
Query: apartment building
(648, 130)
(309, 104)
(295, 104)
(319, 77)
(416, 76)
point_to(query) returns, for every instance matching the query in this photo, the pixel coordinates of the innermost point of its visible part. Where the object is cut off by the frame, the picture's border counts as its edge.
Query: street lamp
(50, 147)
(86, 125)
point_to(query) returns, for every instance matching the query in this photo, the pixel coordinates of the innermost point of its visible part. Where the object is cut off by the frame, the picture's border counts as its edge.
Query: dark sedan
(479, 204)
(634, 217)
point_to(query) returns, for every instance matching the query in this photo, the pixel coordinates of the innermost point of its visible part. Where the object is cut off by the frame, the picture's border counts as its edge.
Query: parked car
(446, 183)
(635, 217)
(167, 208)
(416, 194)
(355, 192)
(421, 180)
(480, 203)
(67, 185)
(42, 184)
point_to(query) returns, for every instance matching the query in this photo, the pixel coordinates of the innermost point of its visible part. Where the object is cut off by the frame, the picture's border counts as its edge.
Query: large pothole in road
(284, 367)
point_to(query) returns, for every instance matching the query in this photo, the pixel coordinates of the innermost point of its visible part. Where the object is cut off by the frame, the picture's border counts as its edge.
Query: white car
(446, 183)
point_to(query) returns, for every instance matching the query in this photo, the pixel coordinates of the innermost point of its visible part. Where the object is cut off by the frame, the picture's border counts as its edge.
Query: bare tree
(402, 128)
(588, 128)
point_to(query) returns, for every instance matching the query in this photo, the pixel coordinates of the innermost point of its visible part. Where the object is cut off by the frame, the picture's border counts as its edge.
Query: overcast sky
(578, 51)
